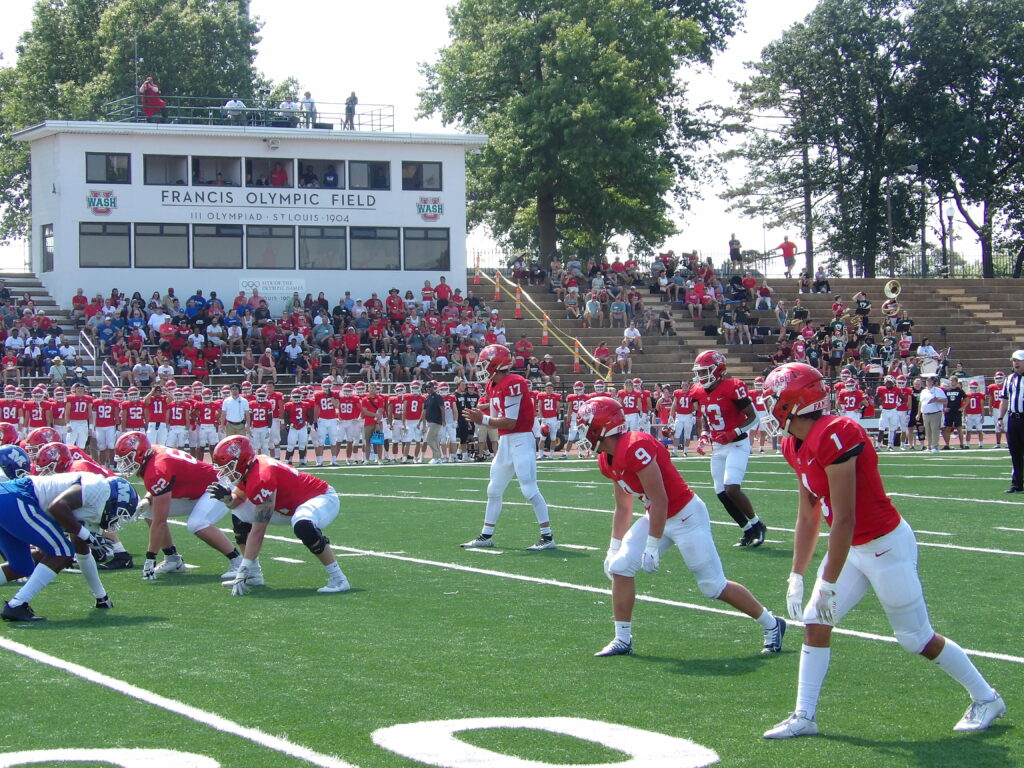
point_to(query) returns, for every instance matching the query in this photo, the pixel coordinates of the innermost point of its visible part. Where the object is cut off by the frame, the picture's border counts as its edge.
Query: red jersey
(77, 453)
(890, 397)
(134, 415)
(59, 410)
(295, 414)
(757, 397)
(268, 476)
(509, 399)
(326, 403)
(662, 407)
(484, 405)
(373, 403)
(85, 464)
(206, 413)
(684, 401)
(722, 407)
(38, 414)
(635, 451)
(107, 412)
(849, 401)
(831, 439)
(574, 401)
(451, 410)
(995, 395)
(156, 410)
(176, 472)
(646, 398)
(975, 403)
(397, 407)
(631, 401)
(350, 407)
(906, 395)
(413, 406)
(262, 413)
(547, 404)
(78, 407)
(178, 413)
(10, 411)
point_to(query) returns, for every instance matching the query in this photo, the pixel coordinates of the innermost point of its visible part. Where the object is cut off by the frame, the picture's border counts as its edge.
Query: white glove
(651, 559)
(825, 603)
(142, 509)
(613, 549)
(795, 596)
(149, 570)
(240, 585)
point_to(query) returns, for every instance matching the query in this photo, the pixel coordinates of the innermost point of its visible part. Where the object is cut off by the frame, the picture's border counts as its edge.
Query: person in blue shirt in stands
(331, 178)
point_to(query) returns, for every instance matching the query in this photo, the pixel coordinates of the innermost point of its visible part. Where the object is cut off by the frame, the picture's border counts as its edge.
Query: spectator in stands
(593, 313)
(234, 110)
(549, 371)
(77, 377)
(10, 369)
(821, 284)
(602, 353)
(350, 112)
(572, 306)
(279, 176)
(58, 371)
(666, 322)
(330, 177)
(623, 359)
(618, 311)
(742, 314)
(634, 337)
(78, 304)
(152, 104)
(803, 281)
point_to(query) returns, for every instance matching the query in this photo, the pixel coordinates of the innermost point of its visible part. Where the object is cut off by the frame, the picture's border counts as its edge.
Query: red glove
(724, 438)
(703, 443)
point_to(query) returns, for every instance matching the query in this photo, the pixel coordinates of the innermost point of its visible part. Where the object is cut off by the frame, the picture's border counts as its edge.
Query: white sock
(813, 669)
(540, 508)
(334, 570)
(87, 564)
(766, 620)
(624, 631)
(954, 662)
(487, 530)
(545, 530)
(118, 547)
(41, 576)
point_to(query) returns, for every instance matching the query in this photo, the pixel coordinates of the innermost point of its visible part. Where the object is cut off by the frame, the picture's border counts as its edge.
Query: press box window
(321, 174)
(427, 249)
(107, 168)
(364, 174)
(260, 172)
(171, 170)
(104, 245)
(161, 245)
(322, 248)
(46, 236)
(216, 172)
(422, 176)
(270, 247)
(375, 248)
(216, 246)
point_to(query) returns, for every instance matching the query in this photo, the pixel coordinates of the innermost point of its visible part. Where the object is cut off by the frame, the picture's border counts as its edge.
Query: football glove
(825, 603)
(703, 443)
(724, 438)
(613, 549)
(795, 596)
(149, 570)
(651, 559)
(102, 548)
(218, 491)
(240, 585)
(104, 602)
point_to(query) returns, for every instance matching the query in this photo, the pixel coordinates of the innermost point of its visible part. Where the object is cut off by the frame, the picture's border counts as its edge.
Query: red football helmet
(602, 417)
(39, 393)
(207, 395)
(973, 385)
(545, 430)
(59, 394)
(493, 359)
(443, 388)
(133, 393)
(10, 391)
(638, 383)
(600, 387)
(262, 394)
(793, 389)
(119, 394)
(52, 458)
(296, 395)
(347, 390)
(327, 384)
(39, 437)
(246, 388)
(131, 451)
(901, 381)
(579, 387)
(360, 387)
(107, 392)
(232, 457)
(8, 434)
(415, 386)
(999, 377)
(709, 368)
(850, 385)
(759, 383)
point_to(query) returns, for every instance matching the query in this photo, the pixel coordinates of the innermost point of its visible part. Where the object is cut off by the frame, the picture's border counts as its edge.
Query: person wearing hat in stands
(549, 370)
(77, 377)
(1012, 403)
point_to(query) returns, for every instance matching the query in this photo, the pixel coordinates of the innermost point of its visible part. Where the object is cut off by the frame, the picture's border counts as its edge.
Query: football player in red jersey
(412, 421)
(572, 406)
(450, 419)
(262, 411)
(38, 412)
(350, 421)
(682, 417)
(374, 406)
(757, 432)
(890, 396)
(295, 420)
(547, 409)
(79, 416)
(511, 413)
(177, 485)
(974, 407)
(850, 400)
(105, 415)
(325, 416)
(995, 396)
(156, 403)
(631, 403)
(133, 412)
(265, 491)
(11, 406)
(640, 467)
(206, 416)
(870, 545)
(727, 414)
(903, 411)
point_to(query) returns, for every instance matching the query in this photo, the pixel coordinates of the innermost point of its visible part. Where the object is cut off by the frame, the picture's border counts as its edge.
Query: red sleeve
(637, 454)
(604, 463)
(840, 440)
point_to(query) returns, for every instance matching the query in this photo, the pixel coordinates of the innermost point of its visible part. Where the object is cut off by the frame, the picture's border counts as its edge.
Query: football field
(451, 657)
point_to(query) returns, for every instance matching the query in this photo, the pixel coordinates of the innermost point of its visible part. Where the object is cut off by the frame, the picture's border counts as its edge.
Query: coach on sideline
(234, 411)
(1013, 402)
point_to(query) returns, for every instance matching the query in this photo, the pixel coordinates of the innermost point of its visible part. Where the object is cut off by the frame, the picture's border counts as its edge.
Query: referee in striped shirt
(1013, 403)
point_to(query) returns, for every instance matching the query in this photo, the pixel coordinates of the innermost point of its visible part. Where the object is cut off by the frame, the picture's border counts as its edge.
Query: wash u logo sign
(430, 208)
(101, 202)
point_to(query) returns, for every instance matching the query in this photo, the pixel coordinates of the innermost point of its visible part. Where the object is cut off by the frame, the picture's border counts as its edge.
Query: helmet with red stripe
(602, 417)
(52, 459)
(793, 389)
(131, 452)
(709, 367)
(232, 457)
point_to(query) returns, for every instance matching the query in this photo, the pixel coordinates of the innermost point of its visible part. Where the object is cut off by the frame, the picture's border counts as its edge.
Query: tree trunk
(547, 232)
(1018, 265)
(987, 267)
(808, 222)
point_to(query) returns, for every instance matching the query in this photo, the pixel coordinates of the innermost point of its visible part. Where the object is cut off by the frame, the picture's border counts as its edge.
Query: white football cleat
(232, 571)
(797, 724)
(171, 564)
(479, 541)
(335, 585)
(981, 714)
(544, 542)
(616, 648)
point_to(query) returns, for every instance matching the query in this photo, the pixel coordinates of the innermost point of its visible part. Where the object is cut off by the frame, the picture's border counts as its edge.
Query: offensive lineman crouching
(278, 494)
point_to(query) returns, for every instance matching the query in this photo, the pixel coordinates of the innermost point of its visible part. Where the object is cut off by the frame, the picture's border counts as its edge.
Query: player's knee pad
(914, 641)
(711, 586)
(195, 524)
(623, 565)
(311, 536)
(241, 529)
(530, 490)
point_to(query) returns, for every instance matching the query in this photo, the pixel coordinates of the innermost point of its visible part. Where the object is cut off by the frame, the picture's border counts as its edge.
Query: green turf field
(430, 632)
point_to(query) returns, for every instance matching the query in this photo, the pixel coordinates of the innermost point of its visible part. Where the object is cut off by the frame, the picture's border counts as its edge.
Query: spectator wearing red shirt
(78, 304)
(603, 353)
(427, 295)
(549, 370)
(443, 293)
(152, 104)
(279, 176)
(524, 347)
(788, 249)
(395, 307)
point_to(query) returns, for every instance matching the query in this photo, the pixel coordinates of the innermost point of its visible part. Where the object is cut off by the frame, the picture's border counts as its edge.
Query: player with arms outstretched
(728, 414)
(869, 546)
(511, 413)
(640, 467)
(573, 402)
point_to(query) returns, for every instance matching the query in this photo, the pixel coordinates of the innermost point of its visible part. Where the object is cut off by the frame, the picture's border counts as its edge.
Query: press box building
(143, 206)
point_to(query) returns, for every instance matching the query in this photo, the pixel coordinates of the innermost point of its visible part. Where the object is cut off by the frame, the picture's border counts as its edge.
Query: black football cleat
(104, 602)
(23, 612)
(758, 530)
(119, 561)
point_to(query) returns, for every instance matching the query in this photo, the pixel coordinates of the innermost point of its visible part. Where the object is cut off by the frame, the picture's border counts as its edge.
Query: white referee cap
(1018, 355)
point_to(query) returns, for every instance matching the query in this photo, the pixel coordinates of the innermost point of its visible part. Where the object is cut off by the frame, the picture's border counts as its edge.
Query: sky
(333, 48)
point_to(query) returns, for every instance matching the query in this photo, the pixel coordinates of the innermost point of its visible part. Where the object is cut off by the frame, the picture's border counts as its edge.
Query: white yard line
(200, 716)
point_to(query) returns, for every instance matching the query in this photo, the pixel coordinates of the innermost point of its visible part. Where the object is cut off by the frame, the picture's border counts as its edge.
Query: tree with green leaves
(587, 124)
(80, 54)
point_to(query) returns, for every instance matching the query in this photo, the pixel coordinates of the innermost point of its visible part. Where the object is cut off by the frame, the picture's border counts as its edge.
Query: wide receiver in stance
(640, 466)
(870, 545)
(728, 415)
(511, 413)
